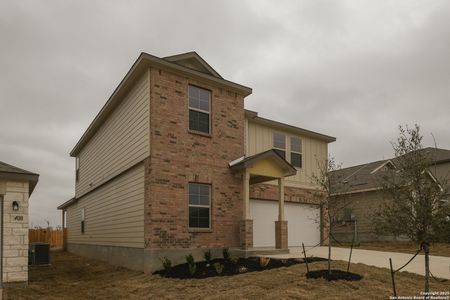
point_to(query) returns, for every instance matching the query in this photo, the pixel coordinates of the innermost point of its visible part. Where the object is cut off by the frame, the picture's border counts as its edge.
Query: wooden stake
(350, 257)
(392, 277)
(306, 260)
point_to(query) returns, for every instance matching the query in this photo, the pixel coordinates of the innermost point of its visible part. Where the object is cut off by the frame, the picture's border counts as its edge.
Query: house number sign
(18, 218)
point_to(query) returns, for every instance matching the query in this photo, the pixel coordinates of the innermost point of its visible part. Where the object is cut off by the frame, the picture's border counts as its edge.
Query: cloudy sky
(351, 69)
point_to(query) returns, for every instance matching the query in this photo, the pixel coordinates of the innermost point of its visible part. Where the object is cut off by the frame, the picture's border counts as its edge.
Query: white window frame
(209, 206)
(200, 110)
(296, 152)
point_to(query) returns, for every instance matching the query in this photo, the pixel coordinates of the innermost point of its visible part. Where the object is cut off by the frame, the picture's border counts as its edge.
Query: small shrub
(191, 264)
(167, 264)
(226, 253)
(234, 260)
(264, 261)
(207, 256)
(218, 267)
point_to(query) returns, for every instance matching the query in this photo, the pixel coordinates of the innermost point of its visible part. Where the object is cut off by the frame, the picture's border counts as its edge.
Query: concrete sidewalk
(439, 265)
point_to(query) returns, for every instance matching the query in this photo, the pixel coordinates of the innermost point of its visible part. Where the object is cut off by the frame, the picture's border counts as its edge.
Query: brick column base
(281, 234)
(246, 234)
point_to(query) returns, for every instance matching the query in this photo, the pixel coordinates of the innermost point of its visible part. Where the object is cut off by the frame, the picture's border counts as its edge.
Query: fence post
(392, 277)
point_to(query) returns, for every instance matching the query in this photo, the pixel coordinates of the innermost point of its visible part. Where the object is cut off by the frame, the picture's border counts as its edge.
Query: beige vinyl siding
(121, 142)
(313, 150)
(114, 213)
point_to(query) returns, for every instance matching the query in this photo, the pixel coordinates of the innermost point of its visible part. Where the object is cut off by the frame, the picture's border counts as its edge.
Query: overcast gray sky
(351, 69)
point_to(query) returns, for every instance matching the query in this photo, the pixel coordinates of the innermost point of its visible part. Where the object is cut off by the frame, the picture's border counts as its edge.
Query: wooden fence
(54, 237)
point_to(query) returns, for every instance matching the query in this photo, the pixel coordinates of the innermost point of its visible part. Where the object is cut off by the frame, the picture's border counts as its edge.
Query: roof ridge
(354, 173)
(363, 164)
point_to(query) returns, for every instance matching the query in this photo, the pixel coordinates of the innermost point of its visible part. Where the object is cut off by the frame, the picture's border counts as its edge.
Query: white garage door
(303, 223)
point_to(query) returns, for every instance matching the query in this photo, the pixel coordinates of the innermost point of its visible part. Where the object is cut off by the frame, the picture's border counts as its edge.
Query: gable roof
(11, 172)
(193, 61)
(249, 161)
(367, 177)
(144, 61)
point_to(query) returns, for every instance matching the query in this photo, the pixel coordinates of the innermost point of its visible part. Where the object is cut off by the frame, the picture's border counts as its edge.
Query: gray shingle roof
(11, 172)
(6, 168)
(362, 177)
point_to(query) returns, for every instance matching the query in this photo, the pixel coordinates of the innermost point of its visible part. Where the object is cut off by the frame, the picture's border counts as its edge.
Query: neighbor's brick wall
(364, 206)
(15, 248)
(178, 157)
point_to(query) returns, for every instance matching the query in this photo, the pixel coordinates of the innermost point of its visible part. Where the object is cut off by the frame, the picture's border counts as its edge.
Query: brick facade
(281, 234)
(246, 234)
(364, 207)
(178, 157)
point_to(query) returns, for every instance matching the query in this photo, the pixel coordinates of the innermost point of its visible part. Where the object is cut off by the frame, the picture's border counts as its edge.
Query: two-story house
(173, 164)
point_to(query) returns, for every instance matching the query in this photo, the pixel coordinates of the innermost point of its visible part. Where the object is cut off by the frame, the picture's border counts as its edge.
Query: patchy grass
(74, 277)
(439, 249)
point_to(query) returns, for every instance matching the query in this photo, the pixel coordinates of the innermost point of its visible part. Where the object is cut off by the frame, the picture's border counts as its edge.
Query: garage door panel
(264, 215)
(303, 223)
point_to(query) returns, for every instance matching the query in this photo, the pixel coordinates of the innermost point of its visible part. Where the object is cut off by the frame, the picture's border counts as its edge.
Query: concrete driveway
(439, 265)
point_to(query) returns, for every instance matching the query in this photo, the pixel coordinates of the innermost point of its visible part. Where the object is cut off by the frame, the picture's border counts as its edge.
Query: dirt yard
(73, 277)
(439, 249)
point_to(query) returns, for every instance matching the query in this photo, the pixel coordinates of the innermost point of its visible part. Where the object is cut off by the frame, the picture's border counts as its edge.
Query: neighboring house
(173, 164)
(16, 186)
(358, 194)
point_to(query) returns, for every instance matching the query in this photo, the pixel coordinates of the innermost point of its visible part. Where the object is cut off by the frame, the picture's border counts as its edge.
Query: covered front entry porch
(259, 168)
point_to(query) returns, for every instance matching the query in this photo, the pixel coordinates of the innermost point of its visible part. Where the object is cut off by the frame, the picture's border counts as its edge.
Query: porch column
(281, 229)
(246, 224)
(281, 197)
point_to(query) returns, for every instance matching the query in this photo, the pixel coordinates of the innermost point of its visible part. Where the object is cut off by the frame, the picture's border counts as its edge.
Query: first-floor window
(199, 205)
(82, 212)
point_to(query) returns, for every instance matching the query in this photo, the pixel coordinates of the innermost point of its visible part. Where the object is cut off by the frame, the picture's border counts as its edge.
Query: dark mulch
(335, 275)
(244, 265)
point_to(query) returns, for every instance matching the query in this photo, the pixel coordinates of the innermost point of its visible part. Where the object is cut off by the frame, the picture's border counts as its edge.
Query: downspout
(63, 226)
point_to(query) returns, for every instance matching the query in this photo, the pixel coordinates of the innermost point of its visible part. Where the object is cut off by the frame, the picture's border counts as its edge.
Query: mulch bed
(244, 265)
(335, 275)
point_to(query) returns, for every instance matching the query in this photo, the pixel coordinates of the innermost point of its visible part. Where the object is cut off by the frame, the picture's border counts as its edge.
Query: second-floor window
(77, 168)
(296, 152)
(279, 144)
(199, 109)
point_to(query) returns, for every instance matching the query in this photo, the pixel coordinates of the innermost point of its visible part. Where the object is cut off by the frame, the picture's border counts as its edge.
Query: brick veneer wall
(364, 207)
(178, 157)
